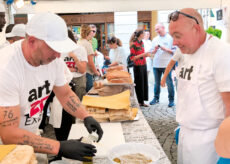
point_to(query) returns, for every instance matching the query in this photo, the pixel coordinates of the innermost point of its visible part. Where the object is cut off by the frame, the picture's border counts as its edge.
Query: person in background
(203, 90)
(177, 58)
(77, 63)
(2, 16)
(162, 46)
(94, 40)
(34, 68)
(222, 143)
(106, 63)
(138, 55)
(147, 45)
(86, 36)
(60, 119)
(117, 53)
(17, 33)
(98, 56)
(9, 28)
(2, 21)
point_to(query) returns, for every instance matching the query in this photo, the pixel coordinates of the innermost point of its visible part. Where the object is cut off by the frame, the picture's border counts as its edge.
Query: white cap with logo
(2, 8)
(52, 29)
(18, 30)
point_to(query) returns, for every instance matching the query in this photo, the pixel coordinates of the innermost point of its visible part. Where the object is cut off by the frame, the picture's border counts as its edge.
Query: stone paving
(161, 119)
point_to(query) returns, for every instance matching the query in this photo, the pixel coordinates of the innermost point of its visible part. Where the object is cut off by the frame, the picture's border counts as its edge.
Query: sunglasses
(175, 15)
(93, 31)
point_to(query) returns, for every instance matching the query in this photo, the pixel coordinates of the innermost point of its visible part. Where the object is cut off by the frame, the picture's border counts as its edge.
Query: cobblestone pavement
(161, 119)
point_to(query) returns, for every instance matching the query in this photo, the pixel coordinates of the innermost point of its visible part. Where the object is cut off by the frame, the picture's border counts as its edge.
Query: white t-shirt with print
(89, 49)
(213, 78)
(118, 55)
(162, 58)
(81, 54)
(27, 86)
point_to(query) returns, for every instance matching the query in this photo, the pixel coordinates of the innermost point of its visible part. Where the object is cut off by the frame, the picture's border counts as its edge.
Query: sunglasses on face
(175, 15)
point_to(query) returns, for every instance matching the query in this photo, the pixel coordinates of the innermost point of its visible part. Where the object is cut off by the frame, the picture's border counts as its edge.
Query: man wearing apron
(203, 87)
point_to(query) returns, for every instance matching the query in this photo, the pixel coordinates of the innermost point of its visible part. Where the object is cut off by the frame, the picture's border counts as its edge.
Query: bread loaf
(119, 67)
(121, 80)
(98, 84)
(117, 74)
(21, 154)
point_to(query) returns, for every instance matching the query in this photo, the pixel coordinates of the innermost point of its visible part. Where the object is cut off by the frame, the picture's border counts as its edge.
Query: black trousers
(141, 81)
(44, 115)
(62, 133)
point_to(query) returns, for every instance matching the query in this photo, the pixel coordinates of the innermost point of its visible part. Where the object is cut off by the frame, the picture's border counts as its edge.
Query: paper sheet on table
(118, 101)
(112, 136)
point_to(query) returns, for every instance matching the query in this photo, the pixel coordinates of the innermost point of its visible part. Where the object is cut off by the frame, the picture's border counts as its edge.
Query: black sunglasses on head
(175, 15)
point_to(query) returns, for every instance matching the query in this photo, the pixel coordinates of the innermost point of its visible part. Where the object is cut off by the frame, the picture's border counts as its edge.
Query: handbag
(129, 61)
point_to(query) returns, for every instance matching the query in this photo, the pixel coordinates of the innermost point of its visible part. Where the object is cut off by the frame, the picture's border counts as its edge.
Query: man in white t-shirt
(18, 32)
(203, 87)
(29, 70)
(77, 63)
(162, 46)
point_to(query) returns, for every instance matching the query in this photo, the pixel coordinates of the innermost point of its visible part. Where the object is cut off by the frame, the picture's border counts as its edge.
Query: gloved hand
(92, 125)
(75, 149)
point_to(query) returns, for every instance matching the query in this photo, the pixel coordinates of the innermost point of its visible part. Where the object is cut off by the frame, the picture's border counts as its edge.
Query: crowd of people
(42, 62)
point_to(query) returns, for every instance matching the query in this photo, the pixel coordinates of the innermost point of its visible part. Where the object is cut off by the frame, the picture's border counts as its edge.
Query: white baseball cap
(2, 8)
(18, 30)
(53, 30)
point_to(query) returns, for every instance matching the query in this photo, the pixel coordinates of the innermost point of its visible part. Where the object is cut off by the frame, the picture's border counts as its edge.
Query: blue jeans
(158, 72)
(89, 82)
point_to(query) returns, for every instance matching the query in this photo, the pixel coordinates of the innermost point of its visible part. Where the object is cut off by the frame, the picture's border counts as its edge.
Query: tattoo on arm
(36, 143)
(9, 119)
(73, 104)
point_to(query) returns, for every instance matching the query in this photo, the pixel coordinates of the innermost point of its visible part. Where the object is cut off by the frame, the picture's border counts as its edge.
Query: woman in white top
(117, 53)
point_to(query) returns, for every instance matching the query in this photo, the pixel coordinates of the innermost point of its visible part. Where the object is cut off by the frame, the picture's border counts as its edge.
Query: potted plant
(214, 32)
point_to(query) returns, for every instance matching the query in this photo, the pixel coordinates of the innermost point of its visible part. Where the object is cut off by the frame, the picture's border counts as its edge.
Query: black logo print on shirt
(35, 95)
(31, 120)
(69, 62)
(185, 73)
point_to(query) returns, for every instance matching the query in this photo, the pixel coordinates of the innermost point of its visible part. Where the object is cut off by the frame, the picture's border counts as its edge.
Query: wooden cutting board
(113, 136)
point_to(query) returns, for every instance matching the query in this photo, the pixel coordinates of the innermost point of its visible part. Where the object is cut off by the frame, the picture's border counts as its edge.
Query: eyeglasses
(175, 15)
(93, 31)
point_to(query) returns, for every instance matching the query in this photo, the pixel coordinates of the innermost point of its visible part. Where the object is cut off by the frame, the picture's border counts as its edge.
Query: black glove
(75, 149)
(92, 125)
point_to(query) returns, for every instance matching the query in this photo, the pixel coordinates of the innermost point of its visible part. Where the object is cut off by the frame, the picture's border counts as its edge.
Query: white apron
(196, 140)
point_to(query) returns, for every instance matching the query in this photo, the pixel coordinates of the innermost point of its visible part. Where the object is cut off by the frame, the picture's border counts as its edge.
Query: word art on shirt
(185, 73)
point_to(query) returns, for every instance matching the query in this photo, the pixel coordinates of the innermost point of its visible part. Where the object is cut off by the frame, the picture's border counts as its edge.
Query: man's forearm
(73, 106)
(23, 137)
